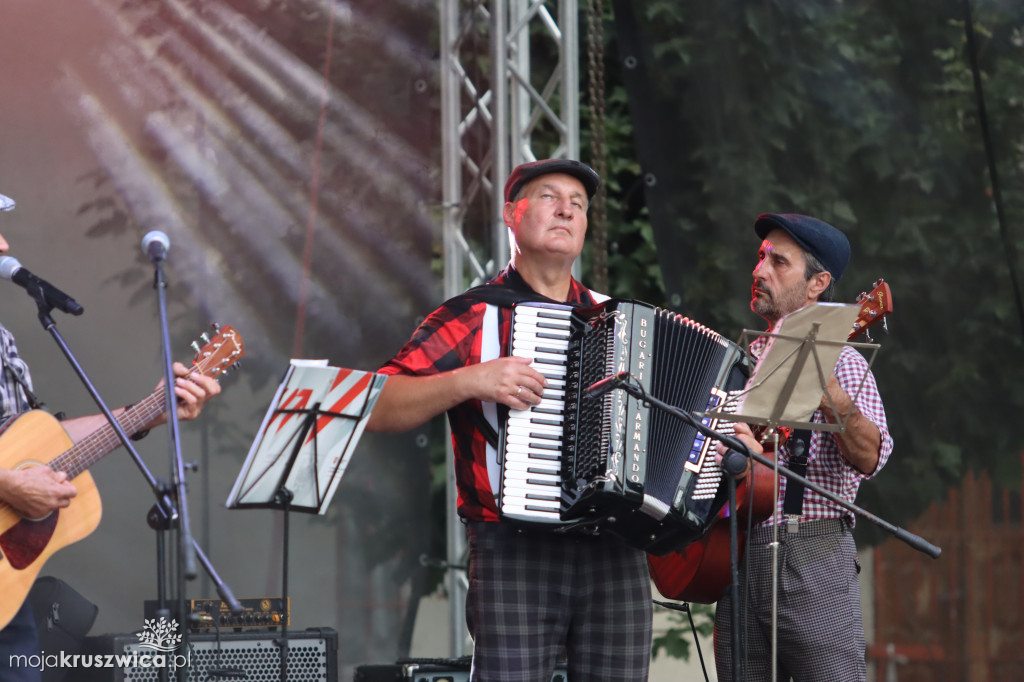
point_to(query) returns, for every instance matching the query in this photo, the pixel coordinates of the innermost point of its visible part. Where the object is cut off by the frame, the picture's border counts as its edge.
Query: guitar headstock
(218, 354)
(874, 306)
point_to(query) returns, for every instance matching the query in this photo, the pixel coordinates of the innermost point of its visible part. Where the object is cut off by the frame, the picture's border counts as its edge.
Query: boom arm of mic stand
(915, 541)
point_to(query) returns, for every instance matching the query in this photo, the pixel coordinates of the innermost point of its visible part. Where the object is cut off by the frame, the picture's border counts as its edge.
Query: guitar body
(34, 439)
(700, 572)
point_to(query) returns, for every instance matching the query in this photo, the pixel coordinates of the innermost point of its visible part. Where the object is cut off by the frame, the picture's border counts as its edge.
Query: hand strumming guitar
(35, 491)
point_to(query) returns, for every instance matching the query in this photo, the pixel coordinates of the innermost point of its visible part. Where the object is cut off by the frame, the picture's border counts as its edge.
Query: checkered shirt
(12, 398)
(450, 338)
(826, 466)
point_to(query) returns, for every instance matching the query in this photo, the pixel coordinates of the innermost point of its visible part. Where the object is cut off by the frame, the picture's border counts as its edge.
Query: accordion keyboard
(532, 478)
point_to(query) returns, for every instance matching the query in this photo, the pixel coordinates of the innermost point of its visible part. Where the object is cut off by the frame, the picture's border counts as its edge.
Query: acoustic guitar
(36, 438)
(700, 572)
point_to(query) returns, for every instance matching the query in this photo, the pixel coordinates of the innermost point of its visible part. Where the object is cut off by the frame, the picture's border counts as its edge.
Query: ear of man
(818, 283)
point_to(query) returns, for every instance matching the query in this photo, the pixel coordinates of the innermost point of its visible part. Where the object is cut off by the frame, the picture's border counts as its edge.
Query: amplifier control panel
(261, 613)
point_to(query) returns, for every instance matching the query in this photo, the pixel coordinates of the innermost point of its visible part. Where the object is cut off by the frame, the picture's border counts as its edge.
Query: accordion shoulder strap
(485, 428)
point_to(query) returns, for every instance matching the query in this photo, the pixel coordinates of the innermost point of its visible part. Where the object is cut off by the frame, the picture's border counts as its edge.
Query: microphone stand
(734, 464)
(165, 507)
(186, 556)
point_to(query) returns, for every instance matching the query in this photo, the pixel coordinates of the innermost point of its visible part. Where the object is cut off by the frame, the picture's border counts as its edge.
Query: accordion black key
(615, 463)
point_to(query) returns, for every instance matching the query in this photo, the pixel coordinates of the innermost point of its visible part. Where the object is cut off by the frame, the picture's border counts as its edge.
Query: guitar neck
(90, 449)
(217, 356)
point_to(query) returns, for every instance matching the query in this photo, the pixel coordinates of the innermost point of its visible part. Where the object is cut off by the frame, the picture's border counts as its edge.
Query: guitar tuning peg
(215, 328)
(195, 346)
(205, 337)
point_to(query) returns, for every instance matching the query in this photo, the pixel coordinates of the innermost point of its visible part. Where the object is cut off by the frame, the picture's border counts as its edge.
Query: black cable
(218, 669)
(997, 195)
(685, 608)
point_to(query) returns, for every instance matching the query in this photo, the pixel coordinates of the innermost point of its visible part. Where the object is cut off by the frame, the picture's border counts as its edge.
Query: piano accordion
(614, 462)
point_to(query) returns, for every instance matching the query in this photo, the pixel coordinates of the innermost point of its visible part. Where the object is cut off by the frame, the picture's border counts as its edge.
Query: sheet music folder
(307, 437)
(791, 375)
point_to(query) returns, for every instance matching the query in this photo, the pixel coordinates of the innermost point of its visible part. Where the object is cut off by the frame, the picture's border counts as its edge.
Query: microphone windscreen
(8, 266)
(155, 237)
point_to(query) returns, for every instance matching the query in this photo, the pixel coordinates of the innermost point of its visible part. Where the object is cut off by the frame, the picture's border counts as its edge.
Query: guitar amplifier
(208, 615)
(312, 657)
(429, 670)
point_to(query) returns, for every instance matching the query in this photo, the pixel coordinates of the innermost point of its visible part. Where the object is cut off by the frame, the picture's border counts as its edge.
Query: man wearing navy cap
(820, 632)
(532, 592)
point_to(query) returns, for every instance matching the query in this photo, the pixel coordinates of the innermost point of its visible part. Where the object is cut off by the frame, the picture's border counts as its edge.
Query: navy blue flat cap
(821, 240)
(525, 172)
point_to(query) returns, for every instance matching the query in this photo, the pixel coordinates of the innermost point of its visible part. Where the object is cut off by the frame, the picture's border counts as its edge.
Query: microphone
(155, 245)
(40, 289)
(599, 388)
(734, 463)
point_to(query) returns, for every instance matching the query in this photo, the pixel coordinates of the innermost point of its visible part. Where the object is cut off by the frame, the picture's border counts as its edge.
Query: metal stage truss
(510, 94)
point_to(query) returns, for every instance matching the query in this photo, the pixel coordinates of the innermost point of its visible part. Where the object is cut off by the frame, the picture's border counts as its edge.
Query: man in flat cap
(532, 591)
(820, 633)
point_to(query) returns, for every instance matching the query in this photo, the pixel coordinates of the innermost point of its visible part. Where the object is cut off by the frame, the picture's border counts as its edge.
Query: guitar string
(89, 450)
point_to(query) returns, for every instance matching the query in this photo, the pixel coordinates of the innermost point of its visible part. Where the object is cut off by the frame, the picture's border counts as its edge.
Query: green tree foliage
(865, 115)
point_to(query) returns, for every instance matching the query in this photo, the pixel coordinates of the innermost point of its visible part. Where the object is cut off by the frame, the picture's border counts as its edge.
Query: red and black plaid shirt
(450, 338)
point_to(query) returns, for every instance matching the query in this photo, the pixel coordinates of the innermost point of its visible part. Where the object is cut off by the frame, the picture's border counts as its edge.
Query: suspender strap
(798, 447)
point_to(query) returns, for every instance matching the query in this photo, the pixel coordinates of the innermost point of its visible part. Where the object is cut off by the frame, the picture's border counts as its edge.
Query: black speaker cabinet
(250, 656)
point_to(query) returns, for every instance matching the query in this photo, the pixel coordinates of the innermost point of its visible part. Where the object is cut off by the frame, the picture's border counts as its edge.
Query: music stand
(784, 389)
(303, 447)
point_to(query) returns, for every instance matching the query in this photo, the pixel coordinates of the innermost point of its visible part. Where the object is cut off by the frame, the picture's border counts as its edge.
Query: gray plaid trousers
(820, 633)
(534, 594)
